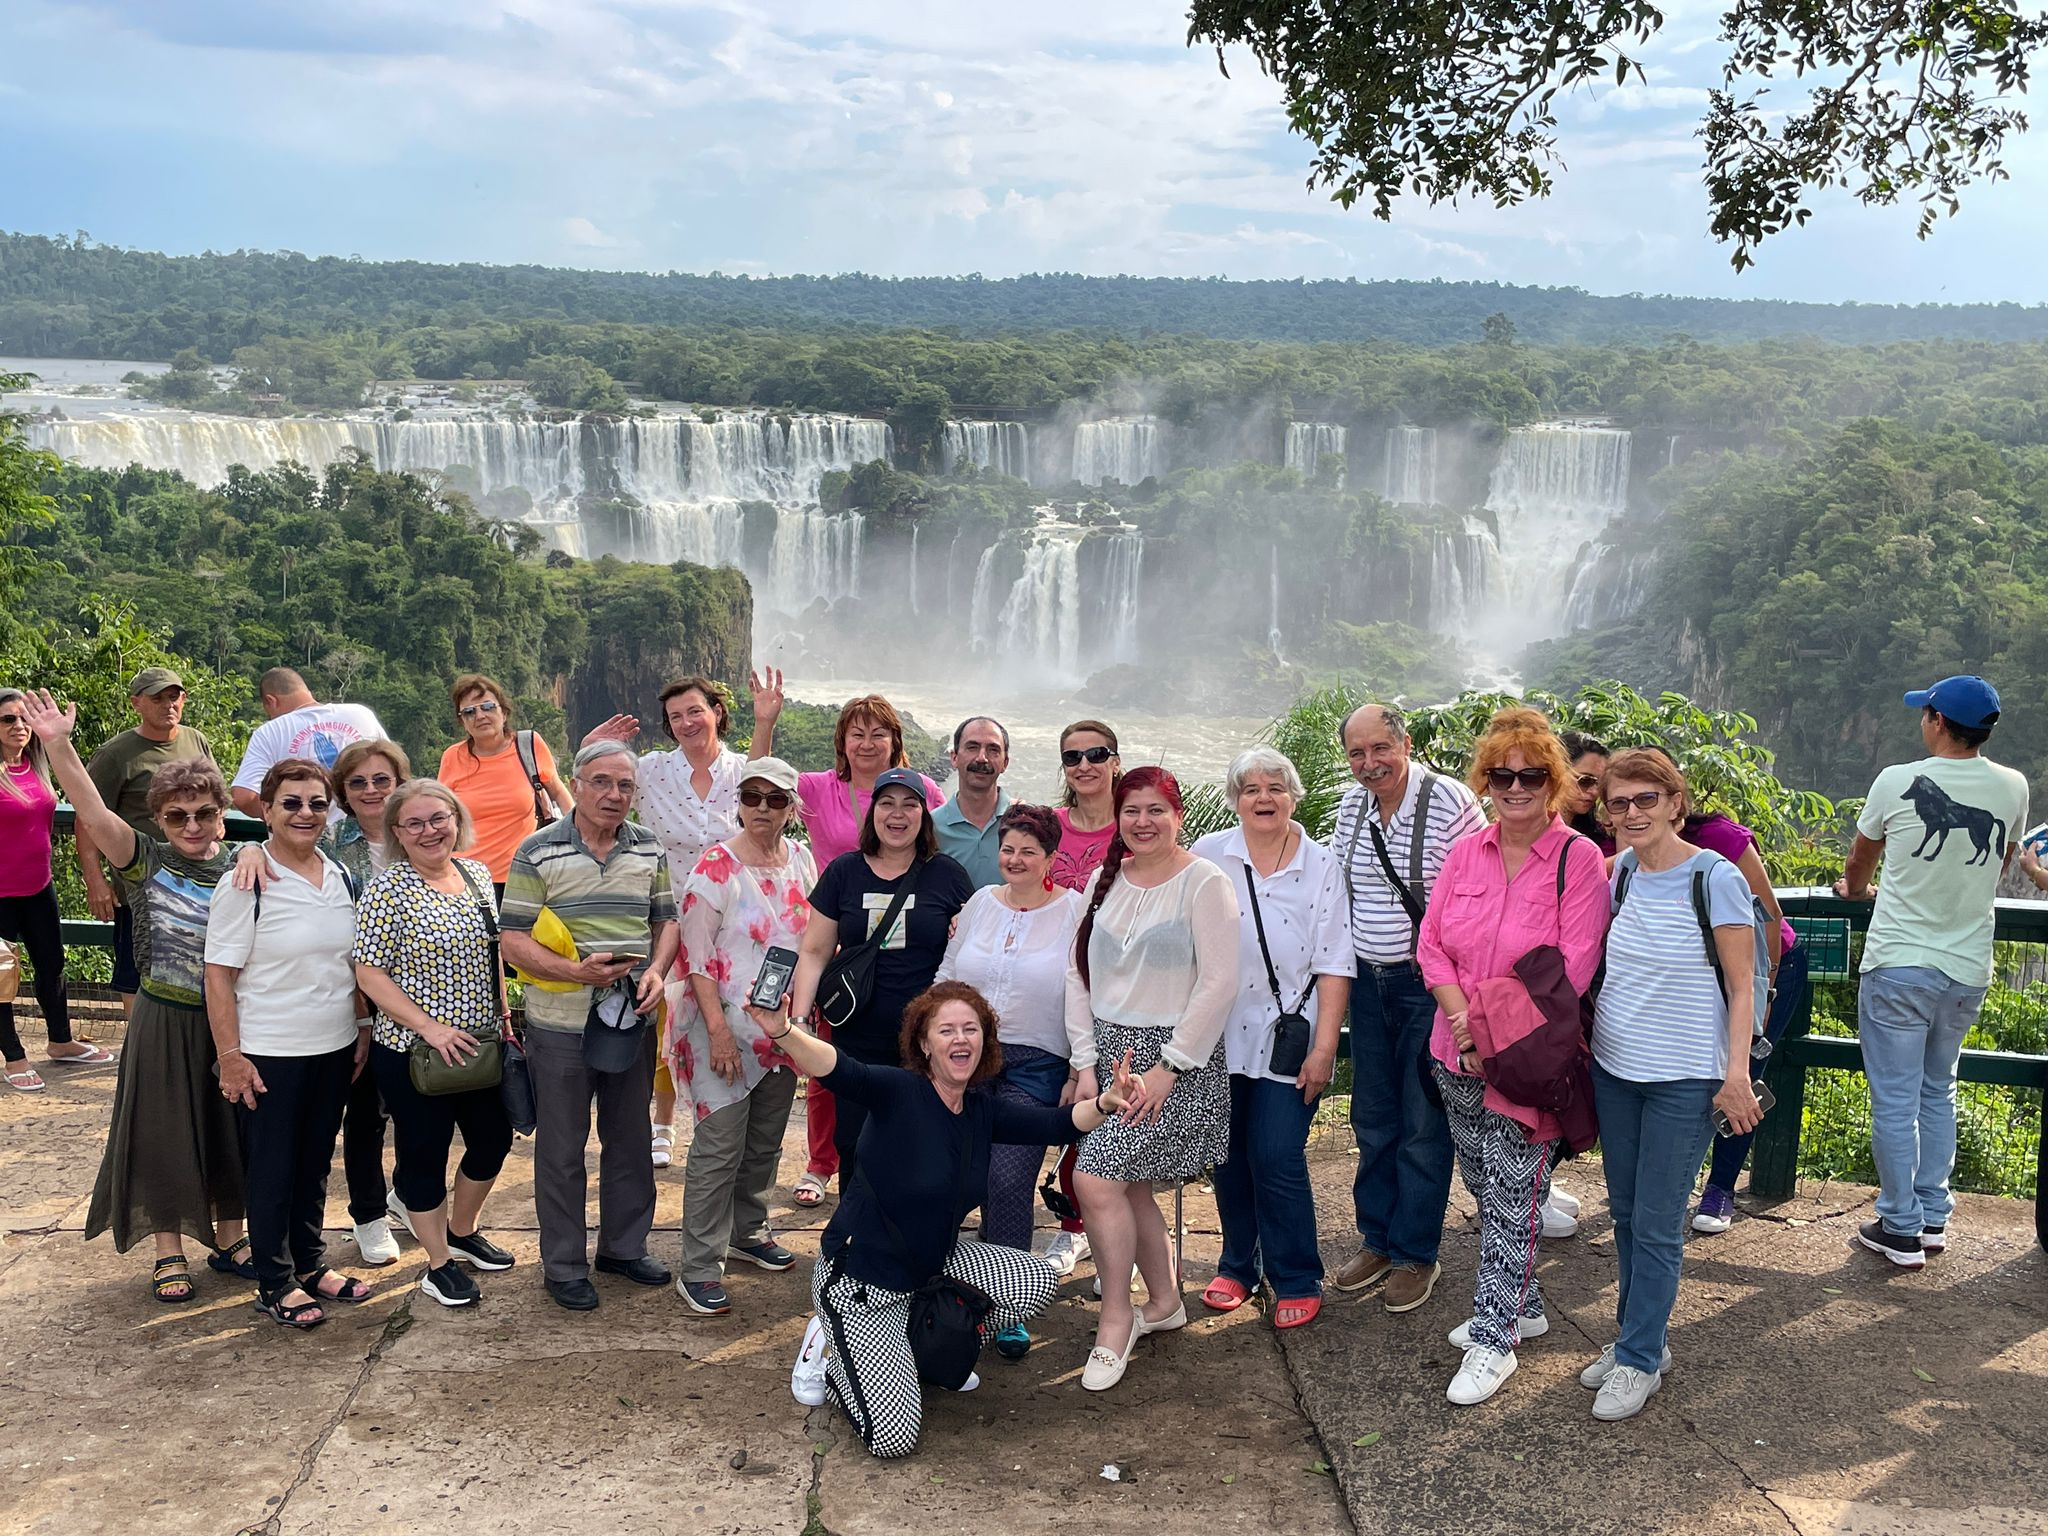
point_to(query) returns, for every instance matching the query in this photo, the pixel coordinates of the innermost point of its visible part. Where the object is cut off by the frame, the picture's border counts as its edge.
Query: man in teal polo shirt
(967, 824)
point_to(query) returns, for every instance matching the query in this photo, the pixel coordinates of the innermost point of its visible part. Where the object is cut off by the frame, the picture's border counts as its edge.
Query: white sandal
(664, 1145)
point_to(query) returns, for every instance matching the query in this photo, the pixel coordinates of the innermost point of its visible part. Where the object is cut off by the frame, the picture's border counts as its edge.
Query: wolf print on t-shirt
(1941, 813)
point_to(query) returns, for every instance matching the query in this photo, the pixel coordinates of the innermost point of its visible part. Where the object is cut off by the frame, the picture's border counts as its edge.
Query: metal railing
(1774, 1159)
(87, 933)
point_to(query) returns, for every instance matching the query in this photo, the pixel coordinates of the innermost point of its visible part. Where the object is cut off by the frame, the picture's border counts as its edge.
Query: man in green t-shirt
(1946, 827)
(121, 771)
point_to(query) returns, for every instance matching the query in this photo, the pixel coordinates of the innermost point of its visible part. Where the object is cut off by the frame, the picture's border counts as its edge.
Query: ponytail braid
(1148, 777)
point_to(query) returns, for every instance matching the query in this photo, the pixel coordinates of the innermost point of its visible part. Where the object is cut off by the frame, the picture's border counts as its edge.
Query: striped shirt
(614, 905)
(1661, 1017)
(1380, 928)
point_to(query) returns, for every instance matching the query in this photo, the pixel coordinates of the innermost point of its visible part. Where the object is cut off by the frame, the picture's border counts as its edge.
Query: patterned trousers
(1506, 1175)
(870, 1332)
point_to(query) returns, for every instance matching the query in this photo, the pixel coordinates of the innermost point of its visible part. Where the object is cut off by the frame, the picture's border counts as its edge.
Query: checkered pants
(1506, 1175)
(870, 1332)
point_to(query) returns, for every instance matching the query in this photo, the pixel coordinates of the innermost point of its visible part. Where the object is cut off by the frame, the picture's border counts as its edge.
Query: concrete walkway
(1816, 1390)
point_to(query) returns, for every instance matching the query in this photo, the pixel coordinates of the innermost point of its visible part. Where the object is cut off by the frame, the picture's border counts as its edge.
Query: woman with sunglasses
(745, 897)
(1581, 810)
(1668, 1051)
(173, 1164)
(487, 775)
(282, 1003)
(1089, 770)
(1524, 881)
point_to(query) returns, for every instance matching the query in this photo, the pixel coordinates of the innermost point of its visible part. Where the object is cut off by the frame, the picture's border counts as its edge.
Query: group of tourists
(1561, 947)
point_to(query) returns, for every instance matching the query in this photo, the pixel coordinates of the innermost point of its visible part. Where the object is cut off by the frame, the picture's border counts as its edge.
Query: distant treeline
(73, 298)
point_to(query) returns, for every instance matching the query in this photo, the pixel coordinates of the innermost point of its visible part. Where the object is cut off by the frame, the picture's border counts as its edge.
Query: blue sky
(901, 137)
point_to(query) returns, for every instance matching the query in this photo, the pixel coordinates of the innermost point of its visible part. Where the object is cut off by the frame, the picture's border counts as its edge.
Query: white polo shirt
(296, 992)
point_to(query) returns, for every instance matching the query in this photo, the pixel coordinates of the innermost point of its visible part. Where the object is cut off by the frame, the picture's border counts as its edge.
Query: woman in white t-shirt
(1011, 944)
(1668, 1051)
(281, 1002)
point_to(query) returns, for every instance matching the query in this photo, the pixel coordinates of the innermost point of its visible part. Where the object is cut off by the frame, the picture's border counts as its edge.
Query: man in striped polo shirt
(1393, 829)
(607, 879)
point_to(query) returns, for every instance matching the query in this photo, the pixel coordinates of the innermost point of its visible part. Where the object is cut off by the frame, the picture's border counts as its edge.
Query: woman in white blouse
(1012, 943)
(1296, 963)
(1154, 974)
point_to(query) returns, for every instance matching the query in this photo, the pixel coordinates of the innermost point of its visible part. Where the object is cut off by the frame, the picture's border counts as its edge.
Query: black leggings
(288, 1150)
(32, 922)
(423, 1129)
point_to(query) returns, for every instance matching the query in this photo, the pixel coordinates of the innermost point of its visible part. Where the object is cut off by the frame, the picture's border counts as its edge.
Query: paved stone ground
(1816, 1391)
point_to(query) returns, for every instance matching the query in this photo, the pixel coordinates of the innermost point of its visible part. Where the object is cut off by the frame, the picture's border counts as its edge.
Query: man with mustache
(968, 823)
(1393, 830)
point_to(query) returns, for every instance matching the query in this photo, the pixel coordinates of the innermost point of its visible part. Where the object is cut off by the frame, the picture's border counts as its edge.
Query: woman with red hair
(1153, 978)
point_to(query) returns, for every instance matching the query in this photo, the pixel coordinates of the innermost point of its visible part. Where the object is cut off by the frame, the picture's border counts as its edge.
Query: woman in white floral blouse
(745, 896)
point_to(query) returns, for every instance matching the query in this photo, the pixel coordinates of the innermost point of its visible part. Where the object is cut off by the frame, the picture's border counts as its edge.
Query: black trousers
(32, 922)
(423, 1130)
(287, 1149)
(362, 1148)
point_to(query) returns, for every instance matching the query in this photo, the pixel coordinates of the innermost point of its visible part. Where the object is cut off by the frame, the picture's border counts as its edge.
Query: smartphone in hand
(778, 969)
(1764, 1098)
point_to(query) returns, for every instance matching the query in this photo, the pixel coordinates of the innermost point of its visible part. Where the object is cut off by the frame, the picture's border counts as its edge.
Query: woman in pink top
(28, 900)
(1496, 899)
(867, 740)
(1087, 808)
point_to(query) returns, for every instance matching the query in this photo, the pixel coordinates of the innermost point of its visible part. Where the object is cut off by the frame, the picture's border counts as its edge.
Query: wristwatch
(1171, 1067)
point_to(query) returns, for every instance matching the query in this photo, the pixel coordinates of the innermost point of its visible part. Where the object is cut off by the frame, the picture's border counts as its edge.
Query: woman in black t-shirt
(899, 850)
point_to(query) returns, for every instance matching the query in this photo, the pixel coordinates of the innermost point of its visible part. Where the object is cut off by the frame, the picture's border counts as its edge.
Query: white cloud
(581, 231)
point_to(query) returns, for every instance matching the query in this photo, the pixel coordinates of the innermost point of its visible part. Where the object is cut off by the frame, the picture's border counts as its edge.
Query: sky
(899, 137)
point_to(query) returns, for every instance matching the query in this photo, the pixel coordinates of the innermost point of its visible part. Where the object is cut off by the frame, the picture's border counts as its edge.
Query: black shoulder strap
(1408, 901)
(348, 883)
(903, 889)
(529, 759)
(1704, 916)
(1259, 922)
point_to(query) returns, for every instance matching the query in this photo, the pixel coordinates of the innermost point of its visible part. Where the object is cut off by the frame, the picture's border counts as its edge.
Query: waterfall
(1464, 573)
(914, 530)
(1001, 446)
(1308, 441)
(982, 613)
(1040, 624)
(1273, 637)
(1554, 489)
(1123, 566)
(1124, 449)
(1410, 475)
(1607, 584)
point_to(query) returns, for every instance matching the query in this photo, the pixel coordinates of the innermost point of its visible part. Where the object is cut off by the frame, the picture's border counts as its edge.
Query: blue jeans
(1730, 1152)
(1029, 1077)
(1404, 1143)
(1262, 1193)
(1652, 1139)
(1912, 1019)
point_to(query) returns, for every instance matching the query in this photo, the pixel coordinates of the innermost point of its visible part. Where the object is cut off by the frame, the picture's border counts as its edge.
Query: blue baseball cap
(901, 778)
(1966, 701)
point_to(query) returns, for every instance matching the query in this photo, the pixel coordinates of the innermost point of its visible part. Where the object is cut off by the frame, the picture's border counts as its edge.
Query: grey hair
(1261, 760)
(1390, 717)
(440, 794)
(594, 751)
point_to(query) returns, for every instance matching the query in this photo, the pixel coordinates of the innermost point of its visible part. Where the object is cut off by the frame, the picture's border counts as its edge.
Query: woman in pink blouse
(1500, 896)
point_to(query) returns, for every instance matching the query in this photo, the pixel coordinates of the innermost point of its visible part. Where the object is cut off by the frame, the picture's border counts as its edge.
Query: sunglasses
(434, 823)
(1073, 757)
(1508, 778)
(10, 719)
(1589, 781)
(775, 800)
(372, 781)
(291, 805)
(205, 816)
(1647, 800)
(480, 707)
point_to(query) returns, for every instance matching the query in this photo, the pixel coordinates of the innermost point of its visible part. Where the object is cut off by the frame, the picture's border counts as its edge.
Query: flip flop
(98, 1056)
(25, 1081)
(1224, 1294)
(809, 1191)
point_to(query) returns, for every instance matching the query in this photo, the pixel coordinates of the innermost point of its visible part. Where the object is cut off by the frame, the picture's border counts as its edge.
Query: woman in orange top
(485, 774)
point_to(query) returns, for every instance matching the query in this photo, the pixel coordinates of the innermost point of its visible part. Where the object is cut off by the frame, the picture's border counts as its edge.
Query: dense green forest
(70, 297)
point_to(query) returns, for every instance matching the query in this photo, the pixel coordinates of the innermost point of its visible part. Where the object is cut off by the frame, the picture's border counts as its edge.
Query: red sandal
(1294, 1312)
(1224, 1294)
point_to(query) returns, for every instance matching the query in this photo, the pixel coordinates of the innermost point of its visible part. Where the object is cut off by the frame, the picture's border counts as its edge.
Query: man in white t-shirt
(297, 725)
(1946, 827)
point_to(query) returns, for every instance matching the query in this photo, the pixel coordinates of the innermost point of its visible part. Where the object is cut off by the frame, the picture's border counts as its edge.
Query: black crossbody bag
(1291, 1030)
(848, 980)
(945, 1314)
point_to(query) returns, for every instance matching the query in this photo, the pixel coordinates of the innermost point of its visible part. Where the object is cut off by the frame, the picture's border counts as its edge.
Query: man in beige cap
(121, 771)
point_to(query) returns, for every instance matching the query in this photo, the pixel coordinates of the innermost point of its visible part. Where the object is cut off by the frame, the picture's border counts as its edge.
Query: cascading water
(1464, 573)
(1124, 449)
(1040, 625)
(1123, 568)
(1273, 636)
(1608, 584)
(1001, 446)
(1308, 441)
(1554, 489)
(1410, 475)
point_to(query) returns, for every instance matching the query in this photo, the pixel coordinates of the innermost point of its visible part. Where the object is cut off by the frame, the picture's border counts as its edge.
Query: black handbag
(945, 1314)
(517, 1087)
(431, 1075)
(848, 980)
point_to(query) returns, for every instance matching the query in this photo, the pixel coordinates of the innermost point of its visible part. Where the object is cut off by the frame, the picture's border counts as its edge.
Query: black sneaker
(478, 1250)
(706, 1297)
(1934, 1239)
(1905, 1252)
(768, 1254)
(450, 1286)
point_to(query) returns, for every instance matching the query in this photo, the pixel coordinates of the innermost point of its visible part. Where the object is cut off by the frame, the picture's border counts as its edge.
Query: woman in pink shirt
(1497, 898)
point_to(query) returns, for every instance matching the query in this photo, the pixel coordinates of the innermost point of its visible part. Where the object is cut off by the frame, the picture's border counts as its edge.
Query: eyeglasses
(440, 821)
(775, 800)
(372, 781)
(480, 707)
(1589, 781)
(1619, 805)
(293, 804)
(10, 719)
(1073, 757)
(205, 816)
(1508, 778)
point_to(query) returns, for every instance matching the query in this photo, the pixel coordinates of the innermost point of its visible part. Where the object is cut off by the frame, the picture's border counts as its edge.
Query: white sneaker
(1624, 1392)
(1528, 1328)
(1481, 1375)
(375, 1243)
(1557, 1221)
(1065, 1251)
(807, 1376)
(1596, 1374)
(397, 1214)
(973, 1380)
(1564, 1200)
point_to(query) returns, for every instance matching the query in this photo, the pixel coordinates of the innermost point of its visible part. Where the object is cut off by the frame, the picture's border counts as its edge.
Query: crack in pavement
(824, 1440)
(399, 1321)
(1693, 1428)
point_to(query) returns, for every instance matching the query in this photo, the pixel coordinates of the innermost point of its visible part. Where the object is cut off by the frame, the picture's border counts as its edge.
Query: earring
(1048, 882)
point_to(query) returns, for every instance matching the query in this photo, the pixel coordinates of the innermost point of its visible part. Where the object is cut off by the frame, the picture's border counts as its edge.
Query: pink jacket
(1478, 925)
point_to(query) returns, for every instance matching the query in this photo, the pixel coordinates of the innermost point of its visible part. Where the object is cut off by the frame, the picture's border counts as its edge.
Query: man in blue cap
(1946, 827)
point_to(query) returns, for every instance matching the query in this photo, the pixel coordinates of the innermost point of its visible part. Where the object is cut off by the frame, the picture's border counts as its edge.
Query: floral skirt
(1191, 1133)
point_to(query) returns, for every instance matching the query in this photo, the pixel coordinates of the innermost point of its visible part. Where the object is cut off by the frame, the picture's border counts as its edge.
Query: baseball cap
(901, 778)
(1966, 701)
(152, 681)
(771, 770)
